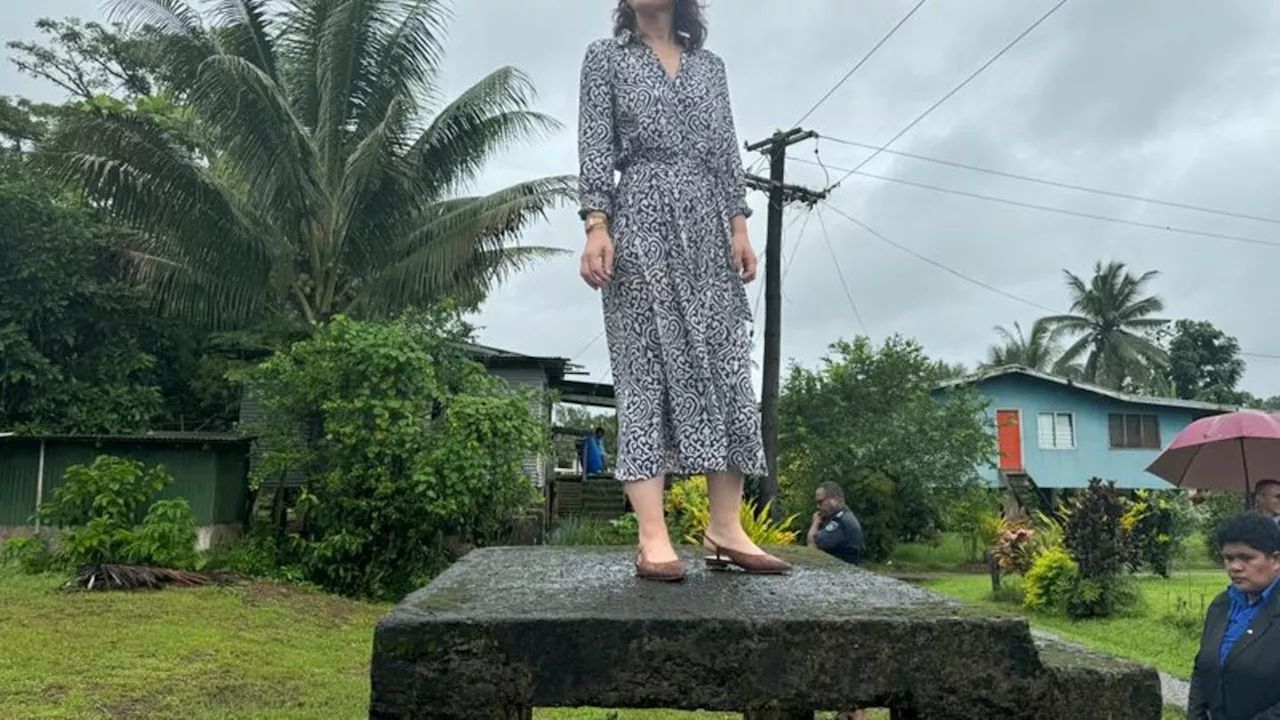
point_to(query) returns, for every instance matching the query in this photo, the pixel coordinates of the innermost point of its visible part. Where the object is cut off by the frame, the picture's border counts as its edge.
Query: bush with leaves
(1211, 510)
(1158, 524)
(109, 513)
(973, 512)
(689, 511)
(404, 442)
(1095, 536)
(1050, 582)
(870, 418)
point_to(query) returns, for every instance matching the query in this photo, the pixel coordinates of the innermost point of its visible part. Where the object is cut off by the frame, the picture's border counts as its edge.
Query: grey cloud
(1167, 98)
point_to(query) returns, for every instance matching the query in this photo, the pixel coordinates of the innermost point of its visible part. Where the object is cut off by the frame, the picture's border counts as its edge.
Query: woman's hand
(744, 258)
(597, 258)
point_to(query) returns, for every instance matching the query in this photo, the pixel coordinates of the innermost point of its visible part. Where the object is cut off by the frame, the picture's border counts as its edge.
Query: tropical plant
(689, 513)
(1014, 549)
(409, 446)
(1050, 581)
(1095, 535)
(314, 178)
(1112, 325)
(1038, 350)
(108, 513)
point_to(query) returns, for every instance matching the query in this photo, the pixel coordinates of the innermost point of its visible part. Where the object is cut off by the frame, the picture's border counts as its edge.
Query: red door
(1009, 435)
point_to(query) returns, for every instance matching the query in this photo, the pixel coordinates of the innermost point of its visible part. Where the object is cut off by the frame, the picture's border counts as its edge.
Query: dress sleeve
(596, 139)
(733, 159)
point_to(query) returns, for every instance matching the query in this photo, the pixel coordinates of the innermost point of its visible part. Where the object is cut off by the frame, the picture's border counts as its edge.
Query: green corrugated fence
(210, 470)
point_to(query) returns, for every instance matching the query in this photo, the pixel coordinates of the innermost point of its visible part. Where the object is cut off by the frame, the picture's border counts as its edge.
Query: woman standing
(667, 243)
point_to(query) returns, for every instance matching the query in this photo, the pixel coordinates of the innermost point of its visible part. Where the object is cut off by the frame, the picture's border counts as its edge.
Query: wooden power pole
(780, 194)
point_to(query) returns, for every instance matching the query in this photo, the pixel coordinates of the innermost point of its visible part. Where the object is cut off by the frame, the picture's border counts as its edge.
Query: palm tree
(330, 177)
(1039, 350)
(1112, 325)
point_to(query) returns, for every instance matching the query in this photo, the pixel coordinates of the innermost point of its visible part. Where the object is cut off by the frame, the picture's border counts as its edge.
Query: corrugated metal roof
(981, 377)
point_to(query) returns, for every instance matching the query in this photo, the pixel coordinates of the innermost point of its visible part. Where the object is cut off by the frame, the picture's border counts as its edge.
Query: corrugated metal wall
(211, 477)
(19, 462)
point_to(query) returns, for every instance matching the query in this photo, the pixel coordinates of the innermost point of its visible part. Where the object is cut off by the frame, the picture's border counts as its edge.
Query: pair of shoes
(672, 571)
(752, 563)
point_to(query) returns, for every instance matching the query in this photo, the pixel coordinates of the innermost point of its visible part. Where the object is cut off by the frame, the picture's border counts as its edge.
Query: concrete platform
(508, 629)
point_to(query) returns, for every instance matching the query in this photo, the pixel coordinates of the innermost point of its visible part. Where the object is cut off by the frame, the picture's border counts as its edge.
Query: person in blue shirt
(593, 452)
(1236, 671)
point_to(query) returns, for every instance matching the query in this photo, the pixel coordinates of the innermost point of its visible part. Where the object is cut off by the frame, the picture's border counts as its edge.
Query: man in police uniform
(835, 529)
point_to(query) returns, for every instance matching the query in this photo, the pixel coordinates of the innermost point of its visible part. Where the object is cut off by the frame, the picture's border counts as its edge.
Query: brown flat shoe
(672, 571)
(752, 563)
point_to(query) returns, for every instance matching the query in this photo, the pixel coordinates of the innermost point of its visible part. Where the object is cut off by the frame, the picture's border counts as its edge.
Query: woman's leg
(725, 528)
(646, 498)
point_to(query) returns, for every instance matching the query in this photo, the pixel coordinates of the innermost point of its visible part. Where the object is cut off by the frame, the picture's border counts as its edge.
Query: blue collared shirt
(1240, 616)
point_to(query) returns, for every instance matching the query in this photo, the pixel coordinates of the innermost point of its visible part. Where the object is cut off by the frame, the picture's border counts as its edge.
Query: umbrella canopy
(1223, 452)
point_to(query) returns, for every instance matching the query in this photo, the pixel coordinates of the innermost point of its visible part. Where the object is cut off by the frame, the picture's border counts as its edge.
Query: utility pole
(780, 194)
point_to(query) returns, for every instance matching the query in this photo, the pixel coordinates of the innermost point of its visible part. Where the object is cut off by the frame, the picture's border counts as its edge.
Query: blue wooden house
(1057, 433)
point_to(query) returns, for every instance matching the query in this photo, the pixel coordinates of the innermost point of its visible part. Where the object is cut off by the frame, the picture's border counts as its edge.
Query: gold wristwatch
(594, 221)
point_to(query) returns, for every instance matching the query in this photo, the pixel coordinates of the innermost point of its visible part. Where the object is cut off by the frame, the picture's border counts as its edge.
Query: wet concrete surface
(568, 583)
(512, 628)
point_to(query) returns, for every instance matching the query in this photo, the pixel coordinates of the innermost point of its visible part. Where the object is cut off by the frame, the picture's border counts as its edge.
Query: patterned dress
(676, 312)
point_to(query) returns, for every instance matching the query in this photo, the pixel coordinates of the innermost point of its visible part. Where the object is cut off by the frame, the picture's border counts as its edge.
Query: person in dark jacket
(835, 529)
(1235, 672)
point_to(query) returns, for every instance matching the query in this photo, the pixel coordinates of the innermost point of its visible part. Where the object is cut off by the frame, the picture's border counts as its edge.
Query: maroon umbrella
(1223, 452)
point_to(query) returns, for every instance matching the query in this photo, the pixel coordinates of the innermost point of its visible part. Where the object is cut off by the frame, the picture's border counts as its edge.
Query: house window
(1056, 430)
(1133, 431)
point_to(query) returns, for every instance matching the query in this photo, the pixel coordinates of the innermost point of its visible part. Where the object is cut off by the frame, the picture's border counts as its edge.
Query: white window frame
(1053, 418)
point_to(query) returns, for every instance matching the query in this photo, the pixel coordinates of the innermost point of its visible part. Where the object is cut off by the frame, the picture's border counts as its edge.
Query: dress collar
(627, 36)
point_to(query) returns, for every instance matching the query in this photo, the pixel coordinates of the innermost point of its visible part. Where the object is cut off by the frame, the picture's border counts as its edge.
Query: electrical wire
(974, 281)
(840, 273)
(956, 89)
(1061, 211)
(859, 64)
(1054, 183)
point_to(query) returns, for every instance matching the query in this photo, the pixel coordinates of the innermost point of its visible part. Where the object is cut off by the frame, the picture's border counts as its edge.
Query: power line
(967, 278)
(786, 268)
(945, 268)
(1060, 211)
(956, 89)
(840, 273)
(1054, 183)
(859, 64)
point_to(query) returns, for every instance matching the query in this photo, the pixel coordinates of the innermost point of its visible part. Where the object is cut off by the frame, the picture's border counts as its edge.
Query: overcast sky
(1171, 99)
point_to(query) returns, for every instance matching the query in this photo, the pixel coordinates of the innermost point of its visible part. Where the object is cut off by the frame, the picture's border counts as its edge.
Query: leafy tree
(90, 59)
(71, 358)
(405, 443)
(1111, 321)
(1205, 363)
(1038, 350)
(868, 419)
(324, 184)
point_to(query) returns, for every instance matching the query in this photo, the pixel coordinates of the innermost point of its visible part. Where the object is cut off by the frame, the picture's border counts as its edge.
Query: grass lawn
(1164, 633)
(260, 651)
(268, 651)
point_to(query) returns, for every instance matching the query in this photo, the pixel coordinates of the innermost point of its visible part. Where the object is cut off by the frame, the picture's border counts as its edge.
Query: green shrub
(107, 513)
(409, 449)
(1159, 524)
(258, 554)
(1049, 584)
(1095, 536)
(30, 555)
(1211, 510)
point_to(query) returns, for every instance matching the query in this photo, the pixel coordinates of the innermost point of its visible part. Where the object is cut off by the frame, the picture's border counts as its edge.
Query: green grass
(1163, 633)
(261, 651)
(269, 652)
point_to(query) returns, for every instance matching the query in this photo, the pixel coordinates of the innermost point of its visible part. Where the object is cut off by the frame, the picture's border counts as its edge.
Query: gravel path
(1173, 690)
